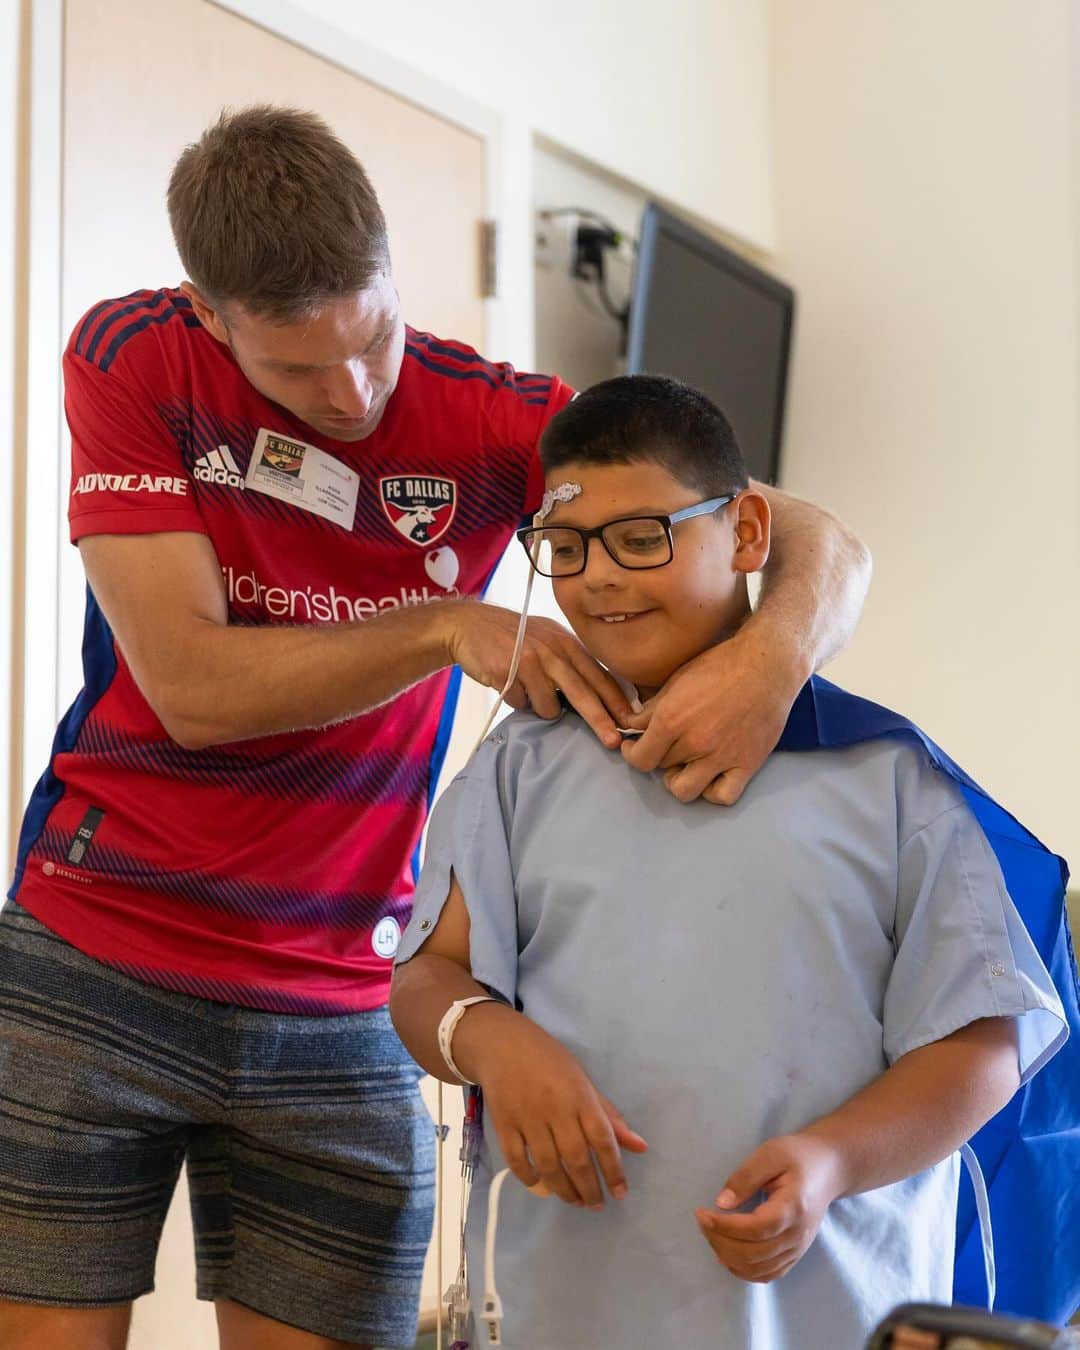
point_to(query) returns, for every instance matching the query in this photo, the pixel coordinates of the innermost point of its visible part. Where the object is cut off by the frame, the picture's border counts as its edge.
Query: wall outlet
(556, 241)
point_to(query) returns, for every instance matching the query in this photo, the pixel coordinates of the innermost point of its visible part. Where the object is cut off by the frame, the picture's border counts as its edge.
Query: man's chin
(354, 430)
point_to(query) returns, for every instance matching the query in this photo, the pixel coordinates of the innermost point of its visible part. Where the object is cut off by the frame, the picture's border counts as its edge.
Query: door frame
(507, 316)
(37, 511)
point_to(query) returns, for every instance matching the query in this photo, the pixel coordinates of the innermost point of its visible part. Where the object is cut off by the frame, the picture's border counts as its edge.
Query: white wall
(924, 212)
(674, 98)
(574, 335)
(11, 98)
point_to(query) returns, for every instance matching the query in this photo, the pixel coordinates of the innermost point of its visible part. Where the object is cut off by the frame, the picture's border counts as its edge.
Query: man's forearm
(231, 683)
(813, 588)
(923, 1108)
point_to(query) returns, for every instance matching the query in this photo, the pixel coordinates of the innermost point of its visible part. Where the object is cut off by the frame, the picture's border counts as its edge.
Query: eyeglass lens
(632, 543)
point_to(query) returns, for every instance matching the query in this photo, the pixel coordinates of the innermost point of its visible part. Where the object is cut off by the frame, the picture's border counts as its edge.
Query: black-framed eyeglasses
(636, 542)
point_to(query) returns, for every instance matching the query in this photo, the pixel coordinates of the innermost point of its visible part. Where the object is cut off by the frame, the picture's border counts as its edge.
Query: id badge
(304, 476)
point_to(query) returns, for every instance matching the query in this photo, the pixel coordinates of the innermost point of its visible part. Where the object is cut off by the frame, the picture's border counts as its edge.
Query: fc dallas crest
(422, 509)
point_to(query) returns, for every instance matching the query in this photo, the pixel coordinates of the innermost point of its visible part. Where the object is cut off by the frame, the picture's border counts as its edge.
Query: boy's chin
(646, 678)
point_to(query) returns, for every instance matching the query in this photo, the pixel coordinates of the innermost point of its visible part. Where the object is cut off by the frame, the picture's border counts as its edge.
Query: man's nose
(350, 390)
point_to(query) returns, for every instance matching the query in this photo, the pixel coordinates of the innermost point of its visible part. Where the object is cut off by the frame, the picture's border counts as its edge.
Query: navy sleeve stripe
(504, 374)
(453, 373)
(93, 314)
(463, 354)
(145, 303)
(188, 320)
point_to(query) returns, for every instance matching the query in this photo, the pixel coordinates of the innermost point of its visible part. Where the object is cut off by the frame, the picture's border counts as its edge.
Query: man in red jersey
(288, 504)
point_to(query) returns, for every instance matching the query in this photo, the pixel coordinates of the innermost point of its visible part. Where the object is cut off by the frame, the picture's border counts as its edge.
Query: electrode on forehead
(565, 492)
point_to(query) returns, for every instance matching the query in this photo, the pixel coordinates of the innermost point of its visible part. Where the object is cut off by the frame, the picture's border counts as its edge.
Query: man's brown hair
(269, 208)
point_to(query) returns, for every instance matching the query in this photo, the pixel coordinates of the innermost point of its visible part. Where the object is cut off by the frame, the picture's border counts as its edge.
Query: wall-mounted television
(713, 320)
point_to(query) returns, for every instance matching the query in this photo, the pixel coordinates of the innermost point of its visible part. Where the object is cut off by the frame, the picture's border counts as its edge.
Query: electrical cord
(442, 1129)
(619, 312)
(590, 245)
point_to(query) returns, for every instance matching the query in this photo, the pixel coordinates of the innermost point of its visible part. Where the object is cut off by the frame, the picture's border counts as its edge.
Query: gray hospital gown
(724, 976)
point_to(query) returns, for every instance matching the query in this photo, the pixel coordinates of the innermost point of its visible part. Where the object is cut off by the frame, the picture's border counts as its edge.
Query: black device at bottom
(960, 1328)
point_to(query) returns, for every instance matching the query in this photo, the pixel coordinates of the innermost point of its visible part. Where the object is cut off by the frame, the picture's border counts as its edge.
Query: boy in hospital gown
(742, 1046)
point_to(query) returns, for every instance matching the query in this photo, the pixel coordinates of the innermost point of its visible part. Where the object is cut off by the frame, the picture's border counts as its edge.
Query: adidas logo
(218, 466)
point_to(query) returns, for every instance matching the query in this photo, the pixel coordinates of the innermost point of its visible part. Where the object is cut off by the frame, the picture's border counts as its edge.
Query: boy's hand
(553, 1126)
(715, 722)
(801, 1176)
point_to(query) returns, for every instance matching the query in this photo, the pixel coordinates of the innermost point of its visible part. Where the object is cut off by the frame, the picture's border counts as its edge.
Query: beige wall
(923, 175)
(673, 97)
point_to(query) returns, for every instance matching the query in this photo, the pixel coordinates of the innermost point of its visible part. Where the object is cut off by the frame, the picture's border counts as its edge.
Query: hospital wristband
(447, 1026)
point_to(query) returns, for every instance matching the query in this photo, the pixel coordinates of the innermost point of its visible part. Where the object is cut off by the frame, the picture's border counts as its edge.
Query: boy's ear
(753, 529)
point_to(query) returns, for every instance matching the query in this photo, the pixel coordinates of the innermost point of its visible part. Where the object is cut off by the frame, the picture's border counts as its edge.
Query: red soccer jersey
(274, 873)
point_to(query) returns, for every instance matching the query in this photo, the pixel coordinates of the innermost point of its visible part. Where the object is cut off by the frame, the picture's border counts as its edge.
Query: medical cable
(492, 1310)
(455, 1300)
(456, 1297)
(565, 492)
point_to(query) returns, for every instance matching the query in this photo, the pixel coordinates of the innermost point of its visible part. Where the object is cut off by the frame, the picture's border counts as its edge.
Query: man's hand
(801, 1176)
(480, 640)
(554, 1128)
(716, 721)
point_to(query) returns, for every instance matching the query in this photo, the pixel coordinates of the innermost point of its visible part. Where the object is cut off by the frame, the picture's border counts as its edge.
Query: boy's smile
(644, 623)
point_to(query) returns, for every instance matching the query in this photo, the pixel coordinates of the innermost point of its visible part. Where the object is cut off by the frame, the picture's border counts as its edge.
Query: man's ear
(209, 316)
(753, 529)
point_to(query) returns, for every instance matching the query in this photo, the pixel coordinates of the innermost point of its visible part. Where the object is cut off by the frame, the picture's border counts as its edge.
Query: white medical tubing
(496, 1185)
(515, 661)
(492, 1311)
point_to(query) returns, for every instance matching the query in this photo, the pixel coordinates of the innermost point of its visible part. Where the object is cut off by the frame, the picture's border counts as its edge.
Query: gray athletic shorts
(310, 1154)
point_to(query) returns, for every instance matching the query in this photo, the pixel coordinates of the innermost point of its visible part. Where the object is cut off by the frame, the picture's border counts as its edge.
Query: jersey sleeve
(963, 952)
(468, 836)
(521, 411)
(127, 473)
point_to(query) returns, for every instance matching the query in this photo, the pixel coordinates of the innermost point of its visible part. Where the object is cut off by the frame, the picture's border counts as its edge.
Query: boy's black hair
(650, 418)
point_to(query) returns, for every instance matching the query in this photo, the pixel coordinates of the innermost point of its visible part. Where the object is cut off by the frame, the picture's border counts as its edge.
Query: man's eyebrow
(292, 365)
(387, 328)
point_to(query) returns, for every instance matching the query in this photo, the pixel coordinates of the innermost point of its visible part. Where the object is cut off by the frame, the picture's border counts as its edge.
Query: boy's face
(643, 624)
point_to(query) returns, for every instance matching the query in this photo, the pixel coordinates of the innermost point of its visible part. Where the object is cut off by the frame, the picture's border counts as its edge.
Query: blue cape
(1030, 1151)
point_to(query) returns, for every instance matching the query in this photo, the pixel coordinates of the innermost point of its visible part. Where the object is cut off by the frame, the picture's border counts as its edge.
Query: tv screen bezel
(656, 221)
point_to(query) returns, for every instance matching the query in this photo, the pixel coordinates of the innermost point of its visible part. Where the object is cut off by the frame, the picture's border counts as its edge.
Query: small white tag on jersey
(304, 476)
(385, 937)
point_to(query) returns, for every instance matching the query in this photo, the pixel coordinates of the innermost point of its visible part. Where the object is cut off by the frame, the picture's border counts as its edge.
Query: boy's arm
(425, 986)
(550, 1120)
(919, 1111)
(923, 1108)
(719, 718)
